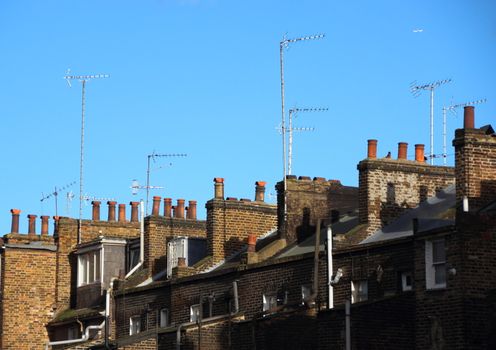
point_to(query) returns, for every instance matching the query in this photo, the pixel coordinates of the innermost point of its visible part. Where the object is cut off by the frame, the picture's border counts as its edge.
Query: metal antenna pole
(83, 79)
(415, 90)
(453, 108)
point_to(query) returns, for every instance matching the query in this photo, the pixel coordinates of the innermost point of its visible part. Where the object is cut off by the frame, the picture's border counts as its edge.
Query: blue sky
(201, 77)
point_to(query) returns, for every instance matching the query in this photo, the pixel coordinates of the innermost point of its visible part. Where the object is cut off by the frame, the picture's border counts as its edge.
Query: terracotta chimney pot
(96, 210)
(15, 220)
(218, 188)
(179, 212)
(372, 149)
(168, 207)
(252, 242)
(419, 153)
(260, 191)
(469, 117)
(402, 150)
(134, 211)
(192, 210)
(122, 212)
(32, 224)
(156, 205)
(111, 210)
(44, 225)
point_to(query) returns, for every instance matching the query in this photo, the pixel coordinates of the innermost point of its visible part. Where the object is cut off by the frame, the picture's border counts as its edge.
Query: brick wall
(28, 296)
(307, 201)
(230, 221)
(388, 187)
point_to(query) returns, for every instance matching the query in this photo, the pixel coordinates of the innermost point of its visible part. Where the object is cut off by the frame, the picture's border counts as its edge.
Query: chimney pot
(218, 188)
(402, 150)
(179, 212)
(168, 207)
(32, 224)
(252, 242)
(15, 220)
(156, 205)
(260, 191)
(122, 212)
(372, 149)
(96, 210)
(134, 211)
(111, 210)
(192, 210)
(468, 117)
(56, 224)
(419, 153)
(44, 225)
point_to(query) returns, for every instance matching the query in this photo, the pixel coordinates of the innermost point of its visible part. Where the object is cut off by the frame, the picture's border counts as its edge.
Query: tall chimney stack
(468, 117)
(419, 153)
(219, 188)
(111, 210)
(134, 211)
(156, 205)
(402, 150)
(96, 210)
(260, 191)
(32, 224)
(192, 210)
(15, 220)
(372, 149)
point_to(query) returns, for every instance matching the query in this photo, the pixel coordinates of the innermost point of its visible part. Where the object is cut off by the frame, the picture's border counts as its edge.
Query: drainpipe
(84, 338)
(142, 240)
(236, 298)
(329, 268)
(311, 301)
(348, 325)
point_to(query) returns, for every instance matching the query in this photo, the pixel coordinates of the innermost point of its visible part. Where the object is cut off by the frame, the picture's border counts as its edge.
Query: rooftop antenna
(293, 113)
(69, 198)
(416, 90)
(88, 198)
(452, 109)
(135, 187)
(152, 157)
(83, 79)
(283, 44)
(55, 194)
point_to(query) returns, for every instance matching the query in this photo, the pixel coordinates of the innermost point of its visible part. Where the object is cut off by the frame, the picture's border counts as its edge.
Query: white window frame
(164, 318)
(433, 264)
(269, 301)
(134, 325)
(194, 312)
(90, 267)
(404, 281)
(359, 291)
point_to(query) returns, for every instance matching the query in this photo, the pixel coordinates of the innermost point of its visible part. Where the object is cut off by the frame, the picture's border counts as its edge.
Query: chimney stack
(15, 220)
(44, 225)
(168, 207)
(252, 242)
(122, 212)
(32, 224)
(402, 150)
(468, 117)
(419, 153)
(372, 149)
(260, 191)
(156, 205)
(111, 210)
(192, 210)
(134, 211)
(179, 212)
(96, 210)
(219, 188)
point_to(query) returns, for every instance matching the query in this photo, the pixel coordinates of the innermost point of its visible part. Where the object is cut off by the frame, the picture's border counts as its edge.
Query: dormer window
(89, 267)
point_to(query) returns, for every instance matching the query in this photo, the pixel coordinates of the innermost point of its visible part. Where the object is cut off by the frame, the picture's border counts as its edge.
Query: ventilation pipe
(142, 240)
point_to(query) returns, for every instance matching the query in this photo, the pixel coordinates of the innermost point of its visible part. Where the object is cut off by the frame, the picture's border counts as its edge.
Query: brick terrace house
(405, 261)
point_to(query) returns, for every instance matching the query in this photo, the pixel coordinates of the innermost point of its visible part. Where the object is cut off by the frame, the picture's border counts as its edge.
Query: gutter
(142, 241)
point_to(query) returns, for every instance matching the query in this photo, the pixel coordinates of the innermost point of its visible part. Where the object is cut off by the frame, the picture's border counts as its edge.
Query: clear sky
(202, 77)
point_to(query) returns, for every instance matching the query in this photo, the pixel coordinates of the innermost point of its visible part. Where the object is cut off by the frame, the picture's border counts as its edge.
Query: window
(406, 281)
(134, 325)
(133, 257)
(164, 318)
(359, 291)
(89, 267)
(72, 332)
(194, 313)
(435, 264)
(269, 301)
(306, 291)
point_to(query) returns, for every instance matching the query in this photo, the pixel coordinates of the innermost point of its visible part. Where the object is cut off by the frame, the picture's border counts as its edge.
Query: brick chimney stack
(96, 210)
(168, 207)
(15, 220)
(44, 225)
(111, 210)
(260, 191)
(218, 188)
(402, 150)
(192, 210)
(156, 205)
(32, 224)
(122, 212)
(179, 212)
(134, 211)
(372, 149)
(419, 153)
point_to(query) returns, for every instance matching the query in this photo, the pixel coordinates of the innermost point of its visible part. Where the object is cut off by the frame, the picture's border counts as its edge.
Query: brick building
(405, 261)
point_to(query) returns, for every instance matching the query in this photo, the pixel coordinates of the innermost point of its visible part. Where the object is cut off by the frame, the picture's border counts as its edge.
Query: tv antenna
(416, 91)
(453, 109)
(69, 198)
(87, 198)
(83, 79)
(293, 112)
(152, 157)
(135, 187)
(55, 194)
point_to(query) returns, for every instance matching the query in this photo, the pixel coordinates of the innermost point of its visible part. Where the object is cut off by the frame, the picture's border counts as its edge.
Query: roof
(431, 214)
